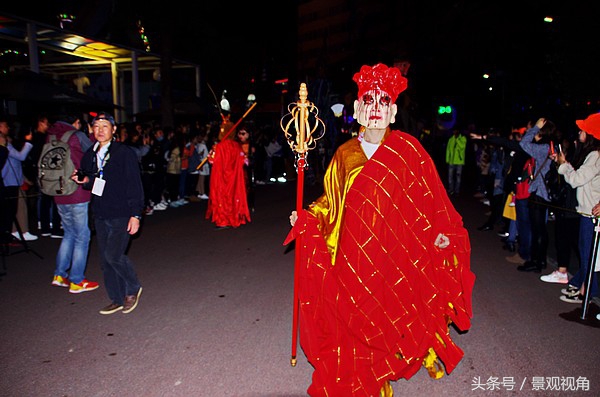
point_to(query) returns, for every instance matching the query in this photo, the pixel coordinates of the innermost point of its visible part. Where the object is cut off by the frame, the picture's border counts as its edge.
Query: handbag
(522, 186)
(526, 180)
(510, 211)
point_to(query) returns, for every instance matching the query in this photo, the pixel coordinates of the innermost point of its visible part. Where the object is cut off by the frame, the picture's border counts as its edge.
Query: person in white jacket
(586, 179)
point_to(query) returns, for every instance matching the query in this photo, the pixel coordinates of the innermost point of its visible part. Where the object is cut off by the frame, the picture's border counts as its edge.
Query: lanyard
(102, 157)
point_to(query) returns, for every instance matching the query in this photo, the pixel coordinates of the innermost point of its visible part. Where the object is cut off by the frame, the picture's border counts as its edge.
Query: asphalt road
(215, 318)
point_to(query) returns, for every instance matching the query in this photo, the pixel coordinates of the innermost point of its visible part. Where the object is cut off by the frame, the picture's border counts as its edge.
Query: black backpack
(55, 167)
(559, 191)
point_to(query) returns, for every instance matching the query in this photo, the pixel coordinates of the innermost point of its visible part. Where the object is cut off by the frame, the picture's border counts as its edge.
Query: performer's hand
(293, 218)
(441, 241)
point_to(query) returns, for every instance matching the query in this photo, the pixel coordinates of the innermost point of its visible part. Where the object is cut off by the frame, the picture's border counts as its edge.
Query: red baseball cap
(590, 125)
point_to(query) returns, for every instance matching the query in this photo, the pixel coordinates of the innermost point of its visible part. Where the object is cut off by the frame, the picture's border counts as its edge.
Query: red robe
(228, 202)
(376, 296)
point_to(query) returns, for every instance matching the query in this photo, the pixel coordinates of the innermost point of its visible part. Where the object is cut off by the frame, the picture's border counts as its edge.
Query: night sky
(450, 44)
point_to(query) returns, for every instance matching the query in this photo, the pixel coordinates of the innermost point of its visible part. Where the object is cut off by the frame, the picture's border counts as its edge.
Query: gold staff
(301, 138)
(229, 132)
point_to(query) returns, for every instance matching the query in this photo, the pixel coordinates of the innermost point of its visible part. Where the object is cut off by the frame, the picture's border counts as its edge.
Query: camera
(80, 175)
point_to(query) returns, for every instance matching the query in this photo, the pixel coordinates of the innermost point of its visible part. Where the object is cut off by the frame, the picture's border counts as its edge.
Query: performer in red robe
(385, 258)
(227, 204)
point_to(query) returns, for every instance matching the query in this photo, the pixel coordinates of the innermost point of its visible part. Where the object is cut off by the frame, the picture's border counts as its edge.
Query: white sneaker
(203, 197)
(570, 290)
(26, 236)
(556, 277)
(159, 207)
(572, 299)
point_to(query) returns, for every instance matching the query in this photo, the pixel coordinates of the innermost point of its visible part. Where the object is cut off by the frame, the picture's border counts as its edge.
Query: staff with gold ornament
(302, 128)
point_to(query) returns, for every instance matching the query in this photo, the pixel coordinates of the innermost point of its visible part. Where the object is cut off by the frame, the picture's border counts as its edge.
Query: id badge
(98, 187)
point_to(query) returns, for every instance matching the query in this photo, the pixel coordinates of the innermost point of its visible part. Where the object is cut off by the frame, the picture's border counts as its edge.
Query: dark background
(536, 68)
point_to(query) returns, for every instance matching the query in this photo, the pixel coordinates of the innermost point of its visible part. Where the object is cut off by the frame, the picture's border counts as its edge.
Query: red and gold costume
(376, 296)
(225, 130)
(228, 205)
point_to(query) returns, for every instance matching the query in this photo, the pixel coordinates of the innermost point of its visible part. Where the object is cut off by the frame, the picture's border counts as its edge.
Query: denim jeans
(454, 178)
(120, 278)
(47, 213)
(74, 246)
(183, 184)
(512, 232)
(586, 241)
(524, 228)
(538, 216)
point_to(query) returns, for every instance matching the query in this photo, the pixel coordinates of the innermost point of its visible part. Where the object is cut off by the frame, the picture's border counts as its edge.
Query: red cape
(228, 202)
(389, 297)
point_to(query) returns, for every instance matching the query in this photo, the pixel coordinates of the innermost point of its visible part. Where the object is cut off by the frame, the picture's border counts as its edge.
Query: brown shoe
(131, 302)
(516, 259)
(110, 309)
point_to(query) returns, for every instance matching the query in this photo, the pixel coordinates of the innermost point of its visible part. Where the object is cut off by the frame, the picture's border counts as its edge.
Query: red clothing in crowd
(228, 204)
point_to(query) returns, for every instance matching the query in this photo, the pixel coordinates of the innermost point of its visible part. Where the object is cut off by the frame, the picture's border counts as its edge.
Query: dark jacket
(123, 195)
(517, 159)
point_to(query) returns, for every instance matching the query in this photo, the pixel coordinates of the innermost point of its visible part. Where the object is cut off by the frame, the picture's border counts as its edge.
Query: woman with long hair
(536, 142)
(584, 175)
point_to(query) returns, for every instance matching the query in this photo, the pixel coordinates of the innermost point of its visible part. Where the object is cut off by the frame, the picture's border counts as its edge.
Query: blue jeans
(183, 184)
(47, 213)
(524, 228)
(586, 242)
(74, 247)
(512, 231)
(454, 178)
(120, 278)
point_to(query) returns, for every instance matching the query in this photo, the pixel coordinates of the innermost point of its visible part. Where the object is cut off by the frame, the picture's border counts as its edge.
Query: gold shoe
(386, 390)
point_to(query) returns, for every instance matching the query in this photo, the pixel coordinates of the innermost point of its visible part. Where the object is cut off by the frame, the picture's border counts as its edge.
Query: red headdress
(380, 77)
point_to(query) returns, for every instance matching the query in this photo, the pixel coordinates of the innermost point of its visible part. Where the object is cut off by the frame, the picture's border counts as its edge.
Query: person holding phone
(584, 175)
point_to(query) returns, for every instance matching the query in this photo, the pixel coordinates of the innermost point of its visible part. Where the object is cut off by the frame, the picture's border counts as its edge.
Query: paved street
(215, 318)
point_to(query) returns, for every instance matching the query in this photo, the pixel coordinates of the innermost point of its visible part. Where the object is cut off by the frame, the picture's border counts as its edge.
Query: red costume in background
(376, 295)
(228, 203)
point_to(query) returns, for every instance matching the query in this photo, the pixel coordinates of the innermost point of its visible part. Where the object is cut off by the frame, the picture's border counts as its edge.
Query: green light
(445, 109)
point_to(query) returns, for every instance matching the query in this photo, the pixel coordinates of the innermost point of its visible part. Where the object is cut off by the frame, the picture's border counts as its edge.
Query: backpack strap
(540, 169)
(67, 135)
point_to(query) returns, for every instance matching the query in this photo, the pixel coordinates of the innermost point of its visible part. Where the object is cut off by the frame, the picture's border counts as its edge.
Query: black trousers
(538, 215)
(8, 209)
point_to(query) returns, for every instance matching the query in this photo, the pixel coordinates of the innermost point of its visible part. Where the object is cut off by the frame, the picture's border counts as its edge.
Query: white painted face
(375, 109)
